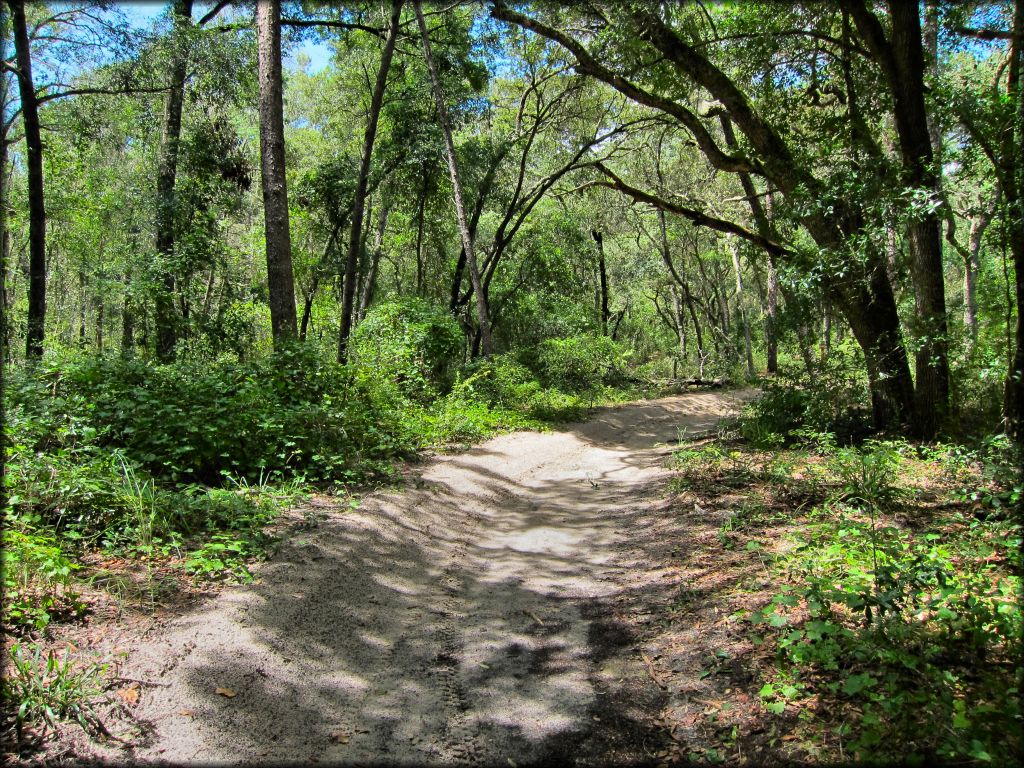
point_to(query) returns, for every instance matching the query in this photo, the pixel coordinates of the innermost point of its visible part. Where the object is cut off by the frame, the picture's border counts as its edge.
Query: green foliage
(286, 414)
(905, 630)
(411, 344)
(578, 364)
(46, 690)
(462, 416)
(833, 399)
(868, 473)
(900, 628)
(37, 577)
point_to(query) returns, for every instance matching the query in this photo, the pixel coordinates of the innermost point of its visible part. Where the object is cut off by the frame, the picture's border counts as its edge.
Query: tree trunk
(742, 311)
(36, 326)
(280, 279)
(128, 319)
(165, 318)
(680, 321)
(1013, 161)
(771, 319)
(453, 170)
(419, 230)
(370, 281)
(902, 62)
(972, 266)
(603, 272)
(100, 317)
(359, 199)
(4, 239)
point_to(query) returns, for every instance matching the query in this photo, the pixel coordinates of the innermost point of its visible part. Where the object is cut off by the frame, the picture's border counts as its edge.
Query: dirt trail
(468, 618)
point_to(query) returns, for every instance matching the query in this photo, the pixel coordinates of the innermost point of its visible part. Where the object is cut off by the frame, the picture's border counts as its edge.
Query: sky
(142, 13)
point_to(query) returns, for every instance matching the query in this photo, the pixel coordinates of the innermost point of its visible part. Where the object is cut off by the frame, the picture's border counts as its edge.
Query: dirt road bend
(469, 618)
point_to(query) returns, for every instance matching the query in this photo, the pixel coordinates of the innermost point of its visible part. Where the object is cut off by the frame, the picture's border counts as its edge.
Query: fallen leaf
(339, 736)
(129, 695)
(186, 712)
(226, 693)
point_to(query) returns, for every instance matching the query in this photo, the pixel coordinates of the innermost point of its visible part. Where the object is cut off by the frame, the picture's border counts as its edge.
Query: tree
(865, 296)
(482, 313)
(167, 173)
(275, 191)
(36, 328)
(354, 247)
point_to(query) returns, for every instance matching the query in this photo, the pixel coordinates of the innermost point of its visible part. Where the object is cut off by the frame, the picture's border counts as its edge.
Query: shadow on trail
(468, 620)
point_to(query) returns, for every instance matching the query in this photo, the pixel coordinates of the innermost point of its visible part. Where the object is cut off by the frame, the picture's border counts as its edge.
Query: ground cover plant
(881, 618)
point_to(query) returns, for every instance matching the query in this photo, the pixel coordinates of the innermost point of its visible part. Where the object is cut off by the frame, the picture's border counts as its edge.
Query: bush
(412, 343)
(287, 414)
(578, 363)
(835, 399)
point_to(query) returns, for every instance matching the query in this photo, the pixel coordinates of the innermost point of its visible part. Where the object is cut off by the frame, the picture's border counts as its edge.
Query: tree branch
(697, 217)
(587, 64)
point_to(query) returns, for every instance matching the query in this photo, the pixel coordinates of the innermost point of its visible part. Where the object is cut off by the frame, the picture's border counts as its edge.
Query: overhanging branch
(699, 218)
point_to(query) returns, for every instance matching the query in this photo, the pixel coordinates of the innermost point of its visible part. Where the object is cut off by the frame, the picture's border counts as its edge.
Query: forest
(263, 259)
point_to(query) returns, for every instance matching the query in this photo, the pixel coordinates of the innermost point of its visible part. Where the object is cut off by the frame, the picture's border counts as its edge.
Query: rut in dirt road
(467, 619)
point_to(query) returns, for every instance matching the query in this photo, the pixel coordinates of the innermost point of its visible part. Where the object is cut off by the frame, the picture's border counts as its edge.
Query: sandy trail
(465, 619)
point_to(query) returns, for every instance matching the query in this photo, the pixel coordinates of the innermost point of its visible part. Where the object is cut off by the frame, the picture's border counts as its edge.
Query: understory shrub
(412, 344)
(578, 364)
(910, 637)
(834, 399)
(291, 413)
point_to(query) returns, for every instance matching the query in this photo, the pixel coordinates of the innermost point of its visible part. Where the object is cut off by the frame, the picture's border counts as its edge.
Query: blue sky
(142, 13)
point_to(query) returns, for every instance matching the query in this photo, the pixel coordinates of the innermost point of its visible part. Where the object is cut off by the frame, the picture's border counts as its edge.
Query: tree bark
(421, 209)
(280, 280)
(980, 221)
(36, 326)
(370, 281)
(1013, 162)
(165, 318)
(902, 61)
(771, 338)
(603, 273)
(460, 211)
(741, 310)
(359, 199)
(4, 238)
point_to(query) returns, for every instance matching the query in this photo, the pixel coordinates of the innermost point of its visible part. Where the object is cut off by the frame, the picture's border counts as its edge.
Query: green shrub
(288, 414)
(578, 363)
(903, 633)
(412, 343)
(834, 399)
(37, 578)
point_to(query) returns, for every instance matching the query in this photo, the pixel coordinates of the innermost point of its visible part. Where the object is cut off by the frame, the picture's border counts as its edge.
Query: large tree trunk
(359, 200)
(4, 247)
(902, 61)
(460, 211)
(165, 318)
(36, 327)
(1013, 189)
(280, 280)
